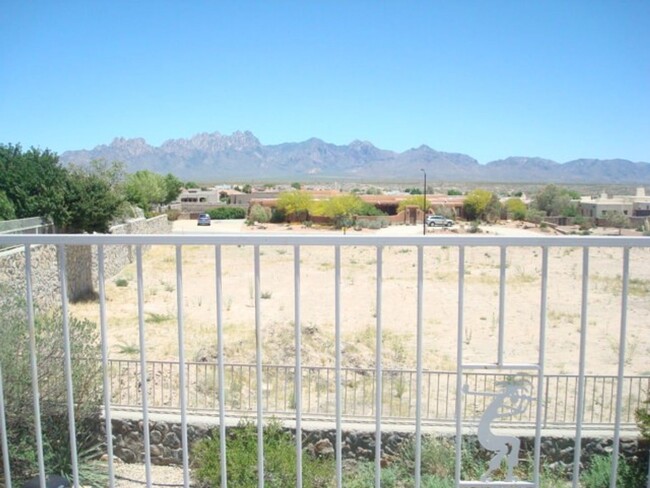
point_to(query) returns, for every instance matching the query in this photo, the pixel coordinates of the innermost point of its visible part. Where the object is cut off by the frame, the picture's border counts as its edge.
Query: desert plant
(173, 214)
(260, 214)
(86, 387)
(642, 416)
(227, 213)
(599, 470)
(121, 282)
(241, 459)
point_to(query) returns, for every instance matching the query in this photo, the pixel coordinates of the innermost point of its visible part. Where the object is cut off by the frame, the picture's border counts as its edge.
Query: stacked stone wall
(166, 444)
(81, 265)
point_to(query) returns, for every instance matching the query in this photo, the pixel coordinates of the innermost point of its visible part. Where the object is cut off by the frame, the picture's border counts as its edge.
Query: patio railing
(488, 377)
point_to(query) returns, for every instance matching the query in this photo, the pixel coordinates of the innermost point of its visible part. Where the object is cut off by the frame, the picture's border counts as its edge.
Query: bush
(227, 213)
(241, 459)
(259, 214)
(173, 215)
(642, 416)
(598, 473)
(86, 380)
(278, 216)
(370, 224)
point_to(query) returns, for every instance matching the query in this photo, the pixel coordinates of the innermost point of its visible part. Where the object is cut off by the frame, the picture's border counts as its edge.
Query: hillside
(242, 156)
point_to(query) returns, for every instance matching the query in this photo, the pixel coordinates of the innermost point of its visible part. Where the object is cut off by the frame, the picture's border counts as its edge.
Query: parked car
(204, 219)
(439, 221)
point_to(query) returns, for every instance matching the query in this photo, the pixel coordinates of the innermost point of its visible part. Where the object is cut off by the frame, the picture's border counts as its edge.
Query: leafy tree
(144, 189)
(414, 191)
(7, 211)
(414, 200)
(191, 184)
(296, 185)
(247, 188)
(296, 205)
(342, 208)
(618, 220)
(34, 182)
(173, 187)
(481, 204)
(373, 191)
(554, 200)
(516, 208)
(454, 192)
(91, 202)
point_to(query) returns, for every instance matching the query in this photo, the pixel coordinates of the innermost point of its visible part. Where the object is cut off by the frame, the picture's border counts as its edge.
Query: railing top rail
(327, 240)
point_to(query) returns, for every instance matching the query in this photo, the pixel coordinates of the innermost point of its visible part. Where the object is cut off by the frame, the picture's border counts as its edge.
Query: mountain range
(213, 156)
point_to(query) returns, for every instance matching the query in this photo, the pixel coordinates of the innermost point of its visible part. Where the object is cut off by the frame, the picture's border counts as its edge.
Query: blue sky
(554, 79)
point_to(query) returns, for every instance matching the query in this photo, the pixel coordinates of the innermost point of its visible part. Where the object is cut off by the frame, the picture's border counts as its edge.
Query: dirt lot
(399, 306)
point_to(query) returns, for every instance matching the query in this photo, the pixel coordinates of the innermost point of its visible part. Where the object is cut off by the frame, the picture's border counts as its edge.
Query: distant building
(631, 205)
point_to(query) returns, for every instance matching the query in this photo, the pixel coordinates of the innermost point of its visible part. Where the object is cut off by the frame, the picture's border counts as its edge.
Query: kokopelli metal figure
(510, 401)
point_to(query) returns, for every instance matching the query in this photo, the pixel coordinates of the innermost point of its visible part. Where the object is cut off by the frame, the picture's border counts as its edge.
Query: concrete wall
(81, 265)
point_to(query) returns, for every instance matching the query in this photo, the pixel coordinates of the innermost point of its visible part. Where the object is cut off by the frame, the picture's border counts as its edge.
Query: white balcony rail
(485, 379)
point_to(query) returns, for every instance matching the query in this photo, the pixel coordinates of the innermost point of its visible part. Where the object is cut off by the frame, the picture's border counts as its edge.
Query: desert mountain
(242, 156)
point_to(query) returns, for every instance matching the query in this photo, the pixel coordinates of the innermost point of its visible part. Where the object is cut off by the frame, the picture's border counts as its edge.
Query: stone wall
(81, 265)
(165, 444)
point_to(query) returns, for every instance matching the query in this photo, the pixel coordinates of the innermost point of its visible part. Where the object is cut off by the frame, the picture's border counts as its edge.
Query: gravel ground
(160, 475)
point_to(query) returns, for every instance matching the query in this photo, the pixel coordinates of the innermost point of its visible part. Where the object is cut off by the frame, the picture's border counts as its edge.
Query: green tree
(618, 220)
(296, 205)
(34, 182)
(247, 188)
(173, 187)
(454, 192)
(416, 200)
(91, 202)
(145, 189)
(296, 185)
(554, 200)
(481, 205)
(516, 208)
(7, 211)
(342, 208)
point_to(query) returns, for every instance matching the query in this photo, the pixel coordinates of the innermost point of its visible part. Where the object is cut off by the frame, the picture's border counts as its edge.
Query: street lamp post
(424, 206)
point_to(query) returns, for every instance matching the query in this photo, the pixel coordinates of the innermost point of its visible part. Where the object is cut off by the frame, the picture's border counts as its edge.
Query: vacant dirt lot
(399, 313)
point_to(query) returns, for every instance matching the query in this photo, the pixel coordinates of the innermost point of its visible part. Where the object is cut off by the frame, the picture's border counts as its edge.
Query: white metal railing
(517, 387)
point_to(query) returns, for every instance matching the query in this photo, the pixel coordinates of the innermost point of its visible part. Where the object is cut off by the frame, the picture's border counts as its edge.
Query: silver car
(439, 221)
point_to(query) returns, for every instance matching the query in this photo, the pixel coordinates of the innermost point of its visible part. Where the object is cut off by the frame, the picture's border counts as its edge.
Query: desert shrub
(278, 216)
(241, 459)
(598, 472)
(370, 223)
(227, 213)
(642, 416)
(173, 214)
(86, 381)
(474, 227)
(534, 215)
(260, 214)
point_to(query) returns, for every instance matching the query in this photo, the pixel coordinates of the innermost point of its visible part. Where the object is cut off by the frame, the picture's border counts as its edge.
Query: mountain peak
(210, 156)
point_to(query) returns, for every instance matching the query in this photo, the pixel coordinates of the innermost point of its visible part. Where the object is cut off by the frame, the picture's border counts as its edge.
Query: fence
(398, 387)
(487, 378)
